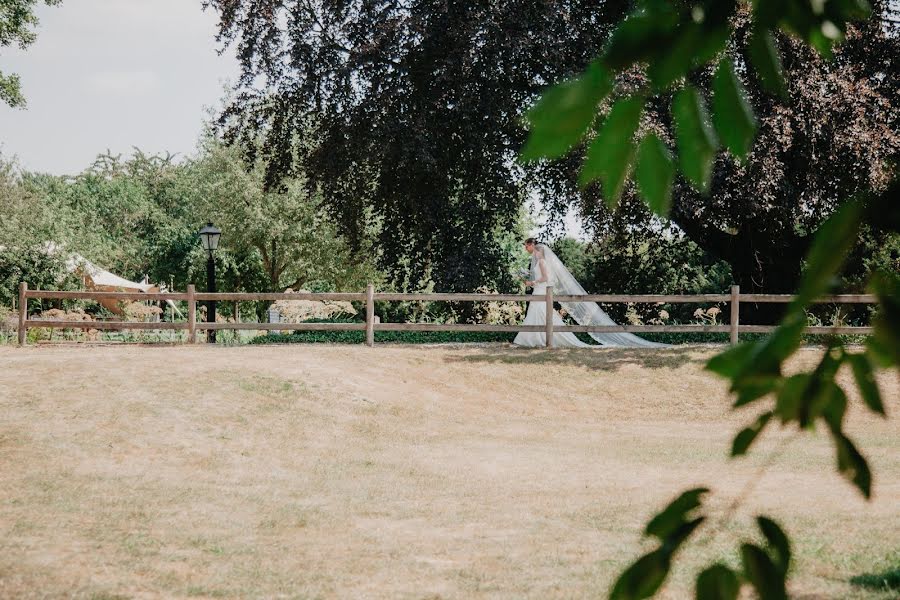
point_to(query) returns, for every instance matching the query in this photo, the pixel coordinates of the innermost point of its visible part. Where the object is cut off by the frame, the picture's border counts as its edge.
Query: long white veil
(586, 313)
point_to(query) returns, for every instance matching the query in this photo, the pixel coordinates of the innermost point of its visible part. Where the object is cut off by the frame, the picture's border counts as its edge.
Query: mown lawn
(322, 471)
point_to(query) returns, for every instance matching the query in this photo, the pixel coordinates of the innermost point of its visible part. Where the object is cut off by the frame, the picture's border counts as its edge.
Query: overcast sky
(113, 74)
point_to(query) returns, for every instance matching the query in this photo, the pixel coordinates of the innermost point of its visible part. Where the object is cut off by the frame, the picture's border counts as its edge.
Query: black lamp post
(209, 237)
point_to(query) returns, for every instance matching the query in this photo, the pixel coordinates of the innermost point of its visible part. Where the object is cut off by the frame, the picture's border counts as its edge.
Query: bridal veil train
(547, 269)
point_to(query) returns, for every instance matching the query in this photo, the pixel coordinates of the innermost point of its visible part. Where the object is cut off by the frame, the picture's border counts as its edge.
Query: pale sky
(113, 74)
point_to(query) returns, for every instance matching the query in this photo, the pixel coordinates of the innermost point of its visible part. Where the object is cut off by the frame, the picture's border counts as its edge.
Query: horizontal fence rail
(370, 326)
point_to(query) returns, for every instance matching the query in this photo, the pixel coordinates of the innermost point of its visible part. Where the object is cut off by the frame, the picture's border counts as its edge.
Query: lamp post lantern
(209, 237)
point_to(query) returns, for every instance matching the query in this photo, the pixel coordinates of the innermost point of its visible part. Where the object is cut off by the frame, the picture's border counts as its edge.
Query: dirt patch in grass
(398, 472)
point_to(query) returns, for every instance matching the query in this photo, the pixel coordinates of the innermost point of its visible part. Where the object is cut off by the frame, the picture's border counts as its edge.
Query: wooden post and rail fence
(370, 326)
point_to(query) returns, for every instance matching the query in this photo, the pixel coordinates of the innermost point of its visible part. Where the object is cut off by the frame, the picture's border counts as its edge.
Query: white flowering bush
(138, 311)
(297, 311)
(660, 319)
(497, 313)
(632, 315)
(710, 316)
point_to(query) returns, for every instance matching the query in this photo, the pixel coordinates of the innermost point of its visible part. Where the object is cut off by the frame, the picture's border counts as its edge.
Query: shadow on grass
(888, 581)
(605, 359)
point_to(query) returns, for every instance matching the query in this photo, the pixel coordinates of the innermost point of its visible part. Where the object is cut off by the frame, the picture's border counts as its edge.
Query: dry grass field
(398, 472)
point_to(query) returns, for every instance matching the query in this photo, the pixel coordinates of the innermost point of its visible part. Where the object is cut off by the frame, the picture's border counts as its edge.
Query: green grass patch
(888, 581)
(397, 337)
(468, 337)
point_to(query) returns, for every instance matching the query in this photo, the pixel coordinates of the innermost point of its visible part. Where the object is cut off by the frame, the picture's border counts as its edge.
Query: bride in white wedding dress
(547, 269)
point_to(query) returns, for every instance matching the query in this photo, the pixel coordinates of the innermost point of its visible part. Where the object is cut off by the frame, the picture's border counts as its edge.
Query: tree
(417, 112)
(17, 23)
(23, 255)
(140, 216)
(635, 251)
(830, 139)
(294, 239)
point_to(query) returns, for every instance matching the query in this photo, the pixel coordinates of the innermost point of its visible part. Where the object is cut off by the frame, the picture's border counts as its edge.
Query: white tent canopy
(99, 279)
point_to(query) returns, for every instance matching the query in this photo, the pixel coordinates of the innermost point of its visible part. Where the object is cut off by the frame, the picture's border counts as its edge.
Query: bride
(547, 269)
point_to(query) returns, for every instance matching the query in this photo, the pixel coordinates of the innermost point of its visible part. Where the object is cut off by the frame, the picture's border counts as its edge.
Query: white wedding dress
(546, 266)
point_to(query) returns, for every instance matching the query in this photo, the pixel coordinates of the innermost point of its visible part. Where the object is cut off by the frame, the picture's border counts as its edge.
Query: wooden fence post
(370, 315)
(192, 315)
(548, 331)
(23, 311)
(735, 312)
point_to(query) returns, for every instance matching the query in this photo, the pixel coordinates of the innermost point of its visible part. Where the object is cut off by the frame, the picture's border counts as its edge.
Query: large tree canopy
(834, 136)
(418, 108)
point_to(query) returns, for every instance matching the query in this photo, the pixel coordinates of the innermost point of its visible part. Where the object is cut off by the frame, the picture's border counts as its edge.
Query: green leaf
(612, 151)
(886, 338)
(825, 397)
(880, 352)
(714, 39)
(767, 13)
(784, 340)
(762, 369)
(829, 250)
(753, 387)
(717, 582)
(764, 55)
(640, 37)
(747, 435)
(864, 375)
(831, 402)
(851, 464)
(655, 173)
(778, 543)
(564, 113)
(668, 67)
(848, 10)
(733, 361)
(11, 91)
(831, 361)
(643, 578)
(762, 573)
(696, 139)
(684, 531)
(732, 114)
(674, 515)
(789, 403)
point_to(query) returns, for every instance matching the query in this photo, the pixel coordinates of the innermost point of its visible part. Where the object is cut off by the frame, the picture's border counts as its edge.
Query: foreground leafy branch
(670, 42)
(756, 372)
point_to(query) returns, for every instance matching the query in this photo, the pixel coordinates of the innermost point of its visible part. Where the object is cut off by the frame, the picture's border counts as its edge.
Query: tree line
(387, 136)
(417, 109)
